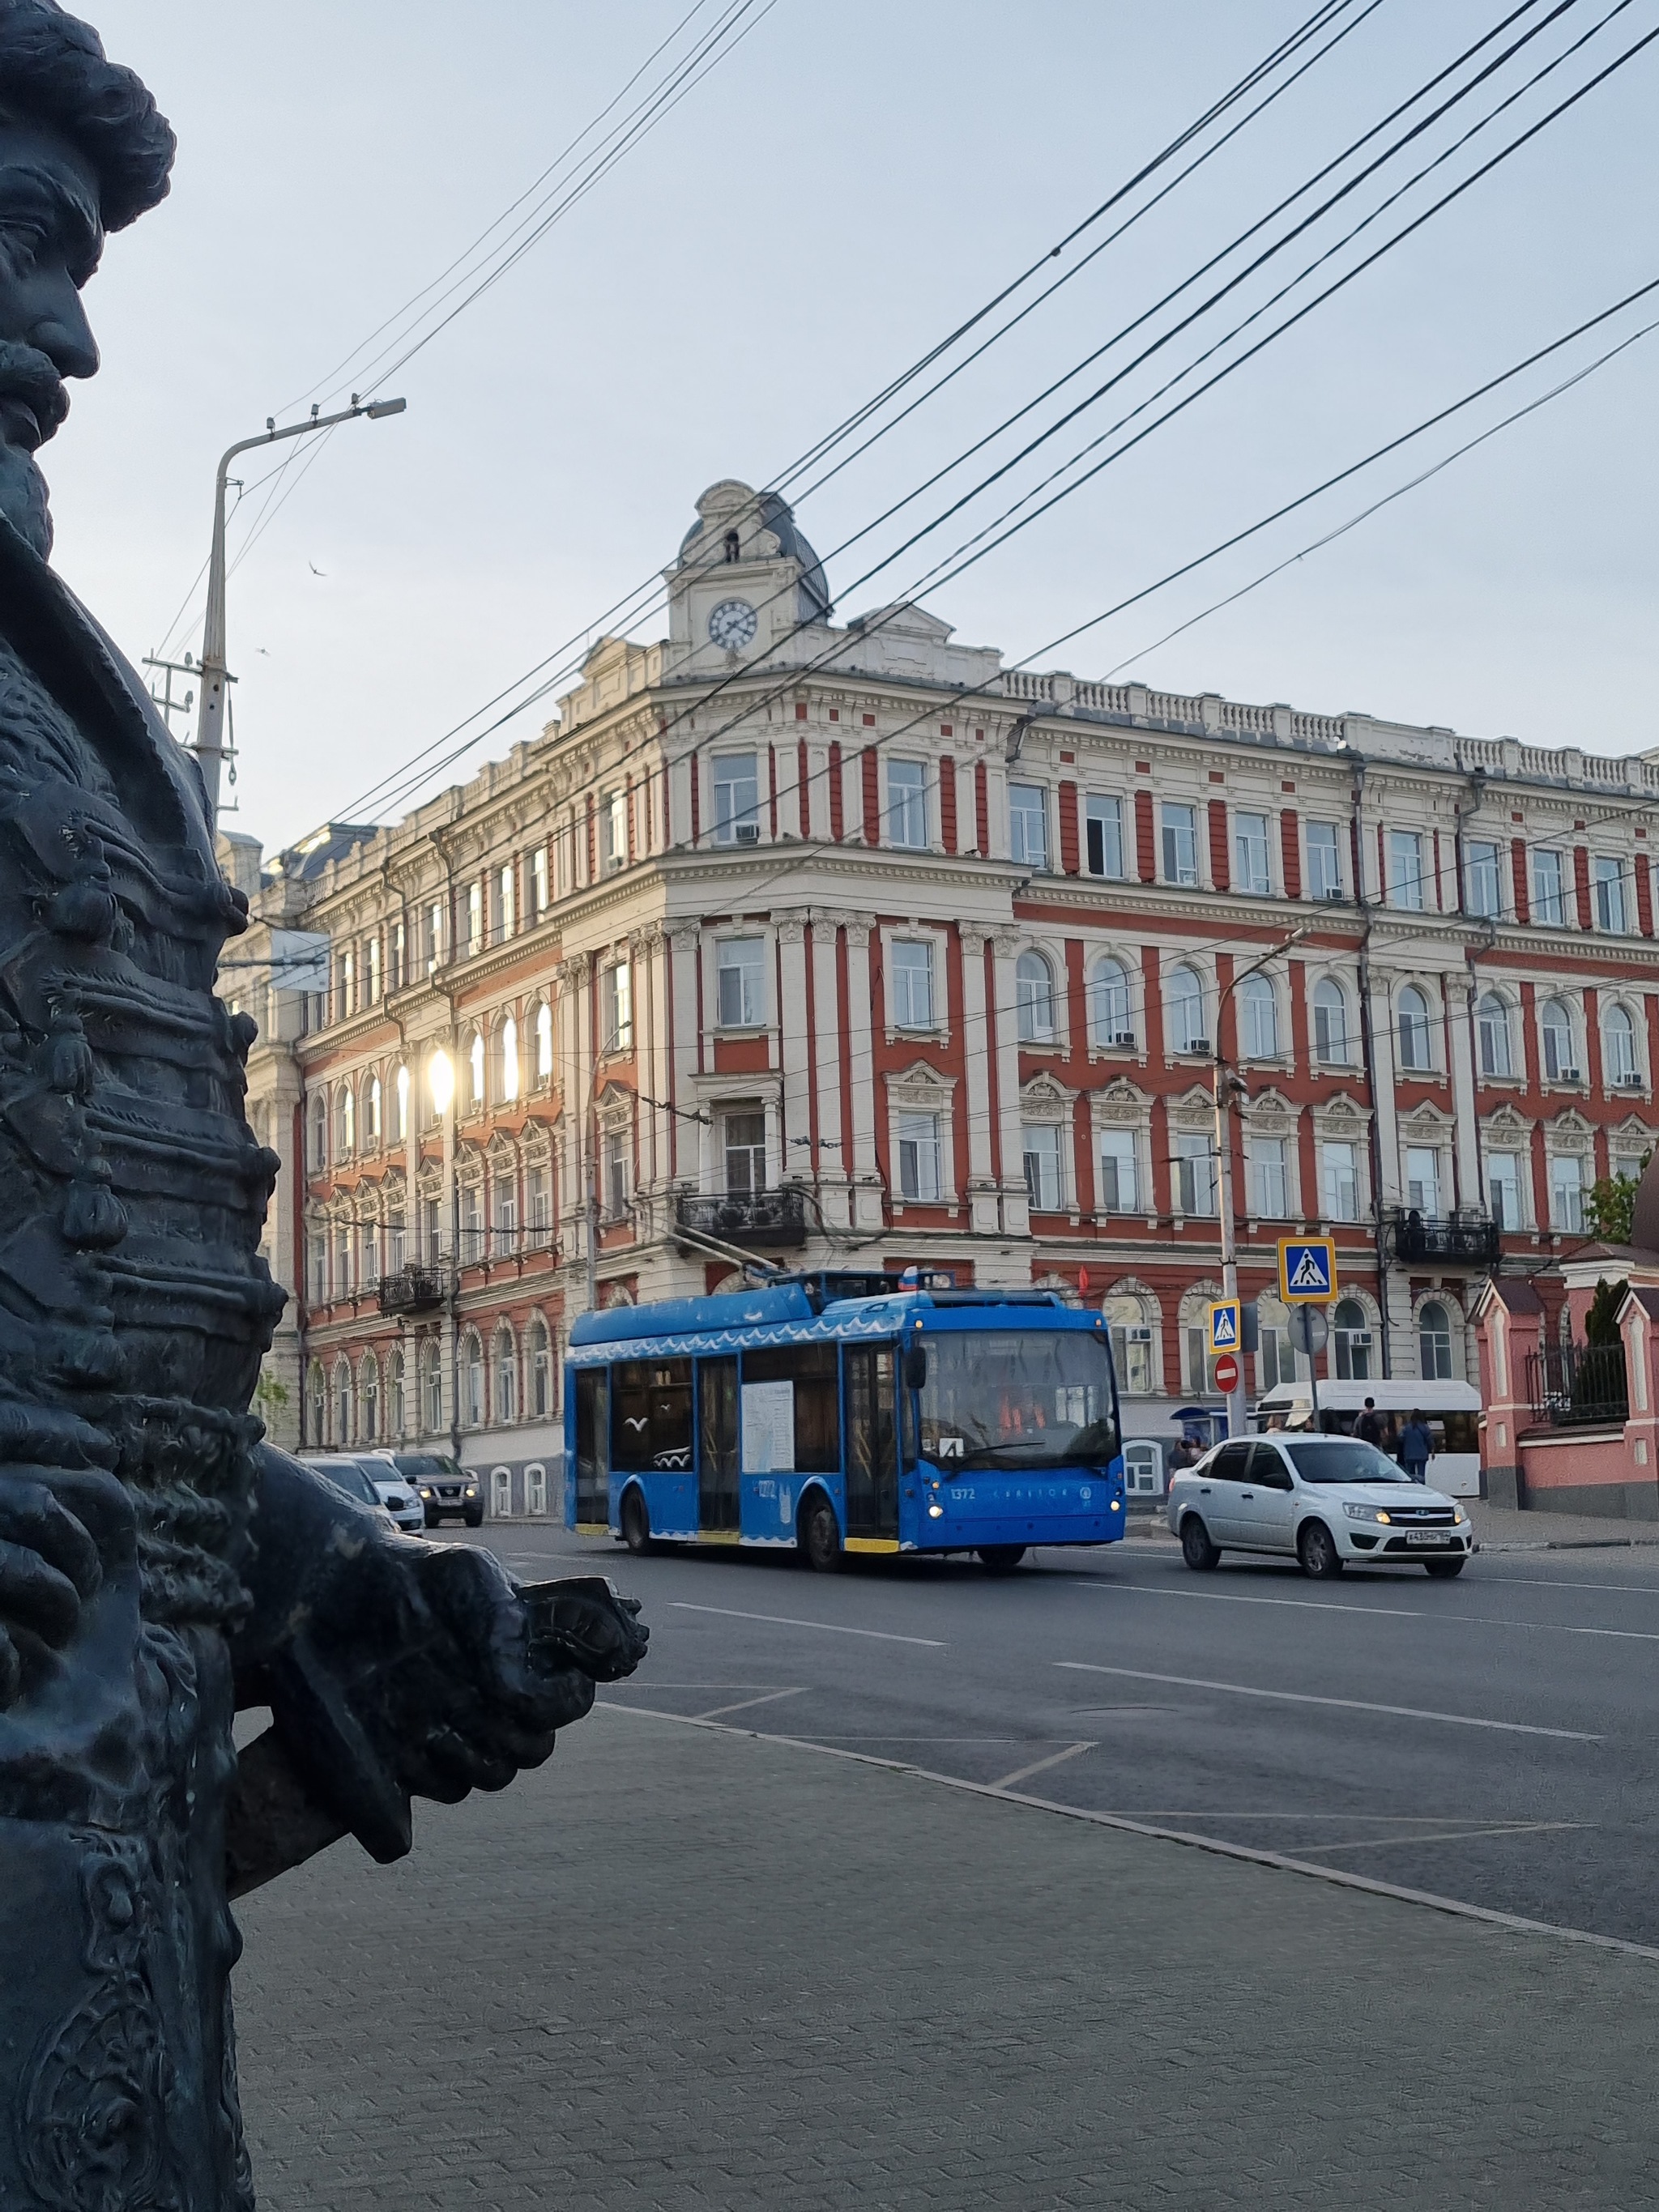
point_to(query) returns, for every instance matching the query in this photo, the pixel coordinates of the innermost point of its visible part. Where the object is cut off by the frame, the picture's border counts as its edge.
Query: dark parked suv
(443, 1485)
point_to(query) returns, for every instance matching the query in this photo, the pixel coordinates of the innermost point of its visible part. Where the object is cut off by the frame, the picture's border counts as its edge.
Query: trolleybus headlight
(936, 1513)
(1117, 1505)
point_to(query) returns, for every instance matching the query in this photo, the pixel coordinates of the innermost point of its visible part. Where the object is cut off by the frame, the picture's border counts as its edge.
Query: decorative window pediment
(1043, 1094)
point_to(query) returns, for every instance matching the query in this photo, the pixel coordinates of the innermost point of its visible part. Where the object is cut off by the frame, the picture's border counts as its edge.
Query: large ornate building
(852, 946)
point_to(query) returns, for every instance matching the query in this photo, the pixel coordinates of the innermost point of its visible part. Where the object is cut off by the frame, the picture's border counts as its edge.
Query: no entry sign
(1226, 1375)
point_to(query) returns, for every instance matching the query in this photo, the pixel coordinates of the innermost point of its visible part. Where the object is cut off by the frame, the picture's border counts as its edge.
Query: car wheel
(1317, 1549)
(474, 1519)
(1001, 1558)
(435, 1520)
(636, 1525)
(1200, 1553)
(817, 1533)
(1443, 1570)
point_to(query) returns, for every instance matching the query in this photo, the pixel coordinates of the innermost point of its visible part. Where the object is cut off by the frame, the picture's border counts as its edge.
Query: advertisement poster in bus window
(769, 1428)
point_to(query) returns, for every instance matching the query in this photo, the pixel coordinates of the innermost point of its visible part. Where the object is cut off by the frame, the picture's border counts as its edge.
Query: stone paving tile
(678, 1970)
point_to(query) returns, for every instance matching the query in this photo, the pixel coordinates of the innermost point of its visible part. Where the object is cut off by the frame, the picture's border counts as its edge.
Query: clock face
(733, 624)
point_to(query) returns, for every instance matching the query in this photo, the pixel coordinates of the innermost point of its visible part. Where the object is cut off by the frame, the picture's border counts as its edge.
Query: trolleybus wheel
(818, 1534)
(636, 1525)
(1001, 1558)
(1196, 1549)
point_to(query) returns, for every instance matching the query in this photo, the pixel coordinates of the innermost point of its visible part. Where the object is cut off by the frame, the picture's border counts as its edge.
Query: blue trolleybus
(841, 1413)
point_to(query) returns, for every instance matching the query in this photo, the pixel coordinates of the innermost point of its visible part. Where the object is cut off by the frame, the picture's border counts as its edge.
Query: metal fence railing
(1572, 1384)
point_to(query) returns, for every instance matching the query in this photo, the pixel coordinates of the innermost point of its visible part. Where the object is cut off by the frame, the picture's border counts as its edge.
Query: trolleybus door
(717, 1447)
(872, 1442)
(592, 1447)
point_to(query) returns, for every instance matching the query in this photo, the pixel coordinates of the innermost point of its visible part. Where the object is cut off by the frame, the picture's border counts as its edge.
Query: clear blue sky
(836, 194)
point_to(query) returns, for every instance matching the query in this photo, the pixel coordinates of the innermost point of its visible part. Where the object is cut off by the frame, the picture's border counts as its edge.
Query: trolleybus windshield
(1019, 1399)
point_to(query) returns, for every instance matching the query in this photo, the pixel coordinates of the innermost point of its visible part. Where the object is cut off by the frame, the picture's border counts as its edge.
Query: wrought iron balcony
(1468, 1239)
(775, 1217)
(413, 1291)
(1570, 1385)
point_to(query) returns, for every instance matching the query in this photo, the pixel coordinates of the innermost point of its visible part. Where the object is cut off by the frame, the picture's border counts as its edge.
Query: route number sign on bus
(1307, 1270)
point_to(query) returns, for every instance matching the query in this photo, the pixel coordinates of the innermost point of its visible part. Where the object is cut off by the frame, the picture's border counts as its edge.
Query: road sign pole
(1224, 1081)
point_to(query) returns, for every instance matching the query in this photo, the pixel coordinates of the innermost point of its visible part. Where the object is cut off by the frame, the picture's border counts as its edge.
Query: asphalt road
(1494, 1739)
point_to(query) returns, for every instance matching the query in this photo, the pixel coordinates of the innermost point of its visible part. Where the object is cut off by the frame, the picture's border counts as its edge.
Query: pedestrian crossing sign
(1307, 1270)
(1224, 1326)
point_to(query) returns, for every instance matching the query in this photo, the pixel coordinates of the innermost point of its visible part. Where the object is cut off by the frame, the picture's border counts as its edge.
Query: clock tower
(745, 583)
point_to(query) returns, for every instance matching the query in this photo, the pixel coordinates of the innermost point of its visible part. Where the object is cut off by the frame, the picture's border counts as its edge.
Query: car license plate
(1427, 1536)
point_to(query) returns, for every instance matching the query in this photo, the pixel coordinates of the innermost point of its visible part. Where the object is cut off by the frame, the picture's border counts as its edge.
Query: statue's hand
(50, 1525)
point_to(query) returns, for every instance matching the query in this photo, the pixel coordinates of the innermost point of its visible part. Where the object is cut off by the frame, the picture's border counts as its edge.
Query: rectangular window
(342, 1263)
(745, 1154)
(1103, 826)
(472, 1223)
(397, 1245)
(740, 973)
(1567, 1191)
(907, 804)
(561, 861)
(736, 799)
(913, 983)
(1608, 878)
(317, 1269)
(398, 974)
(616, 1008)
(1339, 1165)
(791, 1410)
(1406, 870)
(506, 1195)
(1044, 1180)
(1324, 861)
(1270, 1177)
(432, 1237)
(1180, 826)
(345, 993)
(475, 918)
(537, 1218)
(372, 1253)
(1504, 1189)
(1422, 1179)
(616, 1173)
(651, 1417)
(1276, 1361)
(1482, 886)
(918, 1156)
(1548, 877)
(539, 880)
(506, 903)
(1120, 1183)
(435, 937)
(373, 966)
(1251, 873)
(613, 831)
(1195, 1167)
(1028, 824)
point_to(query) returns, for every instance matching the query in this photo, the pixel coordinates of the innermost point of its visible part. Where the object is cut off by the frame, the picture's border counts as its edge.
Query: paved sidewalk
(682, 1968)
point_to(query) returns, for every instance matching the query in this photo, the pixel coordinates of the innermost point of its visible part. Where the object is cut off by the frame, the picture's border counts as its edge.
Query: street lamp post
(210, 716)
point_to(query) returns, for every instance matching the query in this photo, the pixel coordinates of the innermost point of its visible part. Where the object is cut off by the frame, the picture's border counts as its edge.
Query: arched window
(475, 1061)
(509, 1058)
(348, 1114)
(1434, 1342)
(340, 1403)
(1034, 1000)
(733, 547)
(541, 1369)
(1351, 1337)
(1109, 1003)
(400, 1125)
(394, 1394)
(320, 1131)
(432, 1391)
(1555, 1028)
(1412, 1015)
(504, 1359)
(372, 1111)
(1492, 1029)
(1132, 1343)
(1258, 1018)
(472, 1382)
(1619, 1045)
(317, 1392)
(544, 1043)
(368, 1400)
(1330, 1007)
(1184, 992)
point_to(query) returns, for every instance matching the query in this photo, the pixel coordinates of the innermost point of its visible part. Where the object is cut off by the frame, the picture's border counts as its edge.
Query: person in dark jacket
(1369, 1427)
(1416, 1448)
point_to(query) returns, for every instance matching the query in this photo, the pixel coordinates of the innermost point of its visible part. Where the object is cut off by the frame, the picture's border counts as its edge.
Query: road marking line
(1348, 1705)
(1037, 1765)
(834, 1627)
(1454, 1835)
(767, 1697)
(1336, 1877)
(1231, 1597)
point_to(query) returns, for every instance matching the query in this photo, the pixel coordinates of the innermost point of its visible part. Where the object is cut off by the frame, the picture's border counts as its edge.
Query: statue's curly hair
(53, 67)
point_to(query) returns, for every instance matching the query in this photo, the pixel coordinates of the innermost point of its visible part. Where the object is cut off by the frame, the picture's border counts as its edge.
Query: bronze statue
(160, 1567)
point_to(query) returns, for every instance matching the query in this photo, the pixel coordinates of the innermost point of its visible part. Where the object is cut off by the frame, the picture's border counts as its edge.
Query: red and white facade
(851, 946)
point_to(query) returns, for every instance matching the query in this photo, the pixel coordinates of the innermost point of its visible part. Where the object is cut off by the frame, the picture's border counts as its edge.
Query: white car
(1324, 1500)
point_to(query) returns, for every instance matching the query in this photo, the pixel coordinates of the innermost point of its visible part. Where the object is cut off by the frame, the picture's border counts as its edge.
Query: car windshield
(1018, 1398)
(423, 1466)
(346, 1474)
(1342, 1459)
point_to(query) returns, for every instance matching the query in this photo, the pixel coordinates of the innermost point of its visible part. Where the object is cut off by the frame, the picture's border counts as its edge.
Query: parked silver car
(399, 1496)
(1328, 1502)
(348, 1473)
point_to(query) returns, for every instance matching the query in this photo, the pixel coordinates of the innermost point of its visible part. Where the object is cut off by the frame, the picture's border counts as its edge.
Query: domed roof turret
(736, 523)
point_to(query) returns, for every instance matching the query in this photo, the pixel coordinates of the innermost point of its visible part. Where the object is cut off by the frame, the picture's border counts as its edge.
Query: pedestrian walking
(1416, 1448)
(1369, 1427)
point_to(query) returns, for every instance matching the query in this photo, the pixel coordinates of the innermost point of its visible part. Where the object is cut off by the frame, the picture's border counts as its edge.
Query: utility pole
(210, 726)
